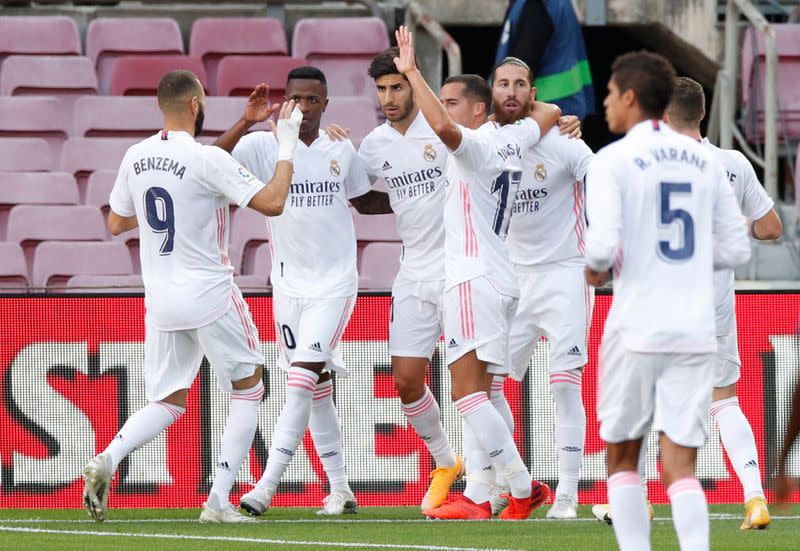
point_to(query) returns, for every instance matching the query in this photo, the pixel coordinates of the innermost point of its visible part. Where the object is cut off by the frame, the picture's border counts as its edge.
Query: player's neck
(403, 125)
(309, 137)
(177, 124)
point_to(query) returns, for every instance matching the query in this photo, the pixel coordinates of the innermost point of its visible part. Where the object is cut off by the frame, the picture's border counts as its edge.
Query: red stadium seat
(342, 48)
(375, 227)
(379, 265)
(214, 38)
(34, 188)
(118, 117)
(108, 38)
(105, 284)
(82, 156)
(355, 113)
(98, 188)
(25, 154)
(54, 262)
(221, 114)
(257, 275)
(248, 230)
(13, 270)
(63, 77)
(35, 117)
(39, 35)
(237, 75)
(140, 75)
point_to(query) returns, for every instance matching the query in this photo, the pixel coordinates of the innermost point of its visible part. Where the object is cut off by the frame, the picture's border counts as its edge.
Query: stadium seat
(82, 156)
(55, 262)
(257, 276)
(98, 188)
(62, 77)
(119, 117)
(355, 113)
(34, 188)
(375, 227)
(25, 154)
(35, 117)
(39, 35)
(215, 38)
(221, 114)
(379, 265)
(342, 48)
(140, 75)
(105, 284)
(108, 38)
(248, 230)
(13, 271)
(237, 75)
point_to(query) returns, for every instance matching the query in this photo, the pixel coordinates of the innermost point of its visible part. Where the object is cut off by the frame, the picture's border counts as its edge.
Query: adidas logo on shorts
(452, 344)
(316, 347)
(751, 464)
(387, 166)
(574, 351)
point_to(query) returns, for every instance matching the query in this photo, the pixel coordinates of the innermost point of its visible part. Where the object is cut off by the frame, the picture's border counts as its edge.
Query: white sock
(480, 473)
(425, 417)
(492, 433)
(629, 511)
(327, 435)
(141, 428)
(737, 438)
(237, 438)
(498, 399)
(565, 386)
(290, 427)
(689, 514)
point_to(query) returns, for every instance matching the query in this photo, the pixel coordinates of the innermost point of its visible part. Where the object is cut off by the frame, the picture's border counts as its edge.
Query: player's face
(311, 96)
(615, 107)
(456, 104)
(395, 96)
(511, 93)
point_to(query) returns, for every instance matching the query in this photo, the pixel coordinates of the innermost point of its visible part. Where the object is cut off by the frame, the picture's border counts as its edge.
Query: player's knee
(565, 387)
(251, 381)
(410, 389)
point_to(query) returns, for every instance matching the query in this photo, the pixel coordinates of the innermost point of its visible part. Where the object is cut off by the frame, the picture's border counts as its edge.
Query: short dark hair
(307, 73)
(687, 105)
(176, 86)
(650, 76)
(383, 63)
(510, 60)
(475, 88)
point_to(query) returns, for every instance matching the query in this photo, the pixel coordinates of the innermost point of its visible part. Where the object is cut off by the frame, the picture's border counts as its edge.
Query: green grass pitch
(399, 528)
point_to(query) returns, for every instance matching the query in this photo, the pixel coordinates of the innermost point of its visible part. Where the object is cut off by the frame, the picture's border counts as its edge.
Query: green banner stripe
(563, 84)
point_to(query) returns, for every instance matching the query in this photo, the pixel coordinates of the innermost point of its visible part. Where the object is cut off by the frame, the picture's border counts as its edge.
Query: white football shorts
(231, 344)
(670, 391)
(556, 303)
(417, 317)
(478, 317)
(309, 330)
(727, 364)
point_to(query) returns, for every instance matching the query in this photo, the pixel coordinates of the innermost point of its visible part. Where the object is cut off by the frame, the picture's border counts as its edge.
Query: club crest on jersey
(540, 173)
(335, 170)
(429, 154)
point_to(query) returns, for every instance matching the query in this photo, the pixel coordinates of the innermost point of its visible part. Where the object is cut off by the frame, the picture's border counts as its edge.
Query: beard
(404, 110)
(198, 122)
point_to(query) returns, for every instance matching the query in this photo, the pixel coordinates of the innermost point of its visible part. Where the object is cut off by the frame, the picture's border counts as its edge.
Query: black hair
(650, 76)
(307, 73)
(475, 88)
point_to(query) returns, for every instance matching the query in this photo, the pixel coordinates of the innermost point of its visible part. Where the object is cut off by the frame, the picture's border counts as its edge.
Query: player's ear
(325, 105)
(533, 93)
(629, 97)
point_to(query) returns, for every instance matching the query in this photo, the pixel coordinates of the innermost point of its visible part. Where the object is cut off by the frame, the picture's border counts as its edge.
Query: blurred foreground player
(684, 113)
(663, 215)
(181, 190)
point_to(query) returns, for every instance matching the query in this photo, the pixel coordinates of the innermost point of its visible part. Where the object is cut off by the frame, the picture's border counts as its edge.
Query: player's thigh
(683, 395)
(626, 391)
(415, 321)
(478, 318)
(566, 319)
(171, 361)
(727, 365)
(320, 328)
(286, 313)
(524, 333)
(232, 345)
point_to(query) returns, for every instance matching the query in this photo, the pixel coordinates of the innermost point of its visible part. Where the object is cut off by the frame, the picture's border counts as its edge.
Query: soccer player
(180, 190)
(663, 215)
(683, 114)
(314, 277)
(408, 155)
(480, 290)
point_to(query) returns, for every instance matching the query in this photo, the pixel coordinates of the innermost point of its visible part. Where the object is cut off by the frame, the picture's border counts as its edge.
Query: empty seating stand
(140, 75)
(56, 262)
(82, 156)
(238, 75)
(34, 188)
(13, 270)
(355, 113)
(256, 276)
(248, 230)
(117, 117)
(25, 154)
(104, 284)
(38, 35)
(379, 265)
(35, 117)
(66, 78)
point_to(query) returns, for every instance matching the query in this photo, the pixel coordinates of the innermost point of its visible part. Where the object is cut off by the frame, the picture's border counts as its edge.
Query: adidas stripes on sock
(327, 435)
(424, 415)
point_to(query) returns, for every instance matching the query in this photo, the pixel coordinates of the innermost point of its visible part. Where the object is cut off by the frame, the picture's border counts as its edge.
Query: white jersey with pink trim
(662, 213)
(483, 174)
(755, 204)
(547, 219)
(179, 190)
(313, 243)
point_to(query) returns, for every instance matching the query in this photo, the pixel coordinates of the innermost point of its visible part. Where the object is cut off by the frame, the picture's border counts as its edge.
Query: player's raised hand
(287, 130)
(570, 125)
(258, 108)
(337, 133)
(406, 62)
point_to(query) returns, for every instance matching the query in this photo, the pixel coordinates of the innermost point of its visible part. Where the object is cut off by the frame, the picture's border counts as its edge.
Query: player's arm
(731, 245)
(604, 212)
(120, 224)
(757, 205)
(372, 202)
(546, 115)
(122, 216)
(258, 109)
(767, 227)
(432, 109)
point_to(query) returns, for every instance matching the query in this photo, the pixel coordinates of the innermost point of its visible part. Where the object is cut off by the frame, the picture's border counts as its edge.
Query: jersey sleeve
(358, 182)
(258, 152)
(604, 212)
(579, 157)
(731, 244)
(755, 201)
(367, 155)
(476, 150)
(528, 131)
(224, 176)
(121, 200)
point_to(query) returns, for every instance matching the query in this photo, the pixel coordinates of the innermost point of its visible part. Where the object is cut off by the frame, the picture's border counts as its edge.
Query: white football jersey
(548, 220)
(754, 203)
(179, 191)
(483, 174)
(313, 242)
(662, 213)
(412, 165)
